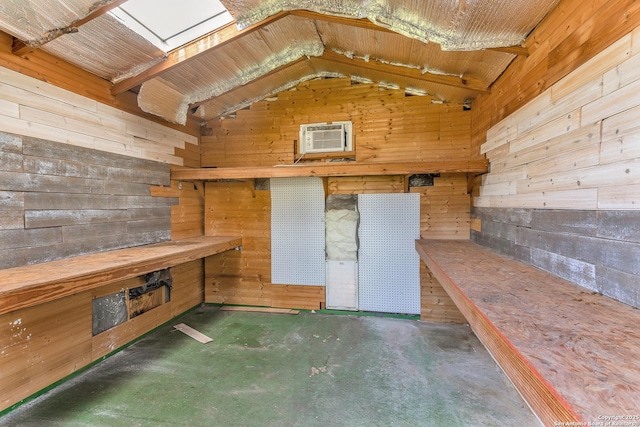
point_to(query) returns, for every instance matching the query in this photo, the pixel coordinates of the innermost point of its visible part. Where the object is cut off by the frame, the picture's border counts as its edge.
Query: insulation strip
(158, 97)
(454, 24)
(106, 47)
(35, 21)
(341, 222)
(151, 91)
(207, 111)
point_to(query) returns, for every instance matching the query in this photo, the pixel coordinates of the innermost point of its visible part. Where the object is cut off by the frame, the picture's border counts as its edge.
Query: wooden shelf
(325, 156)
(329, 169)
(571, 353)
(30, 285)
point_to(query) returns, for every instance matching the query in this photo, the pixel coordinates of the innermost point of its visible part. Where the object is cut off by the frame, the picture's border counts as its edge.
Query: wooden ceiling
(272, 49)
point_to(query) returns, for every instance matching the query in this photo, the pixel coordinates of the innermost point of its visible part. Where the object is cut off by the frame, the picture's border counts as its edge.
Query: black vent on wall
(422, 180)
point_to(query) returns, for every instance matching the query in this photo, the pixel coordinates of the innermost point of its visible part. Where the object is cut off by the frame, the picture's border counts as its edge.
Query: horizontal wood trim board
(326, 170)
(26, 286)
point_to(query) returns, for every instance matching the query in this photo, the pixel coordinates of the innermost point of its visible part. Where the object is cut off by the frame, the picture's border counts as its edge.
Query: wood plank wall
(35, 351)
(47, 68)
(82, 171)
(563, 192)
(570, 35)
(33, 108)
(239, 277)
(244, 277)
(60, 200)
(573, 146)
(388, 127)
(445, 208)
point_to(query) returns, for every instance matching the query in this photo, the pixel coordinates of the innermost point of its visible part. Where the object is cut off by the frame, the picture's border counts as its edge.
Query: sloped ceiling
(451, 50)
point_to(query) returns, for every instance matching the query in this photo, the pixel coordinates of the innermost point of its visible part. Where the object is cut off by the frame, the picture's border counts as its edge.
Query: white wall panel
(389, 266)
(297, 231)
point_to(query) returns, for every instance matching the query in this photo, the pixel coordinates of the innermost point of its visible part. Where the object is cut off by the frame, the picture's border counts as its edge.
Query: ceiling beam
(367, 24)
(514, 50)
(256, 80)
(230, 33)
(200, 46)
(406, 72)
(22, 49)
(353, 22)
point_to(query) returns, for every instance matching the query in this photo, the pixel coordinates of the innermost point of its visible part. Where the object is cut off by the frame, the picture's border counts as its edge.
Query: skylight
(169, 24)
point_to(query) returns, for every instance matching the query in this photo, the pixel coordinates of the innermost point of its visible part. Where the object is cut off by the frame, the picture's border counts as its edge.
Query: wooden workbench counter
(572, 353)
(30, 285)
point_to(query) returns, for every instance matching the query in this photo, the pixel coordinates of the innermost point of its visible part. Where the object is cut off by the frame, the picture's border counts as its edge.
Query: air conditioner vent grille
(324, 137)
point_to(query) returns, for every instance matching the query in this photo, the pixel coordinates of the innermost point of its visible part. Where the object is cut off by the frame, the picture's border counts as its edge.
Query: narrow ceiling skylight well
(169, 24)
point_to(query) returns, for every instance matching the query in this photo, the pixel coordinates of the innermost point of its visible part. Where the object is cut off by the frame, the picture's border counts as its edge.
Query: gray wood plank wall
(599, 250)
(59, 201)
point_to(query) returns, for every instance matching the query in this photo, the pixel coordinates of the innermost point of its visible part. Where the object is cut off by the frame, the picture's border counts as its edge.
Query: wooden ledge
(329, 169)
(30, 285)
(570, 352)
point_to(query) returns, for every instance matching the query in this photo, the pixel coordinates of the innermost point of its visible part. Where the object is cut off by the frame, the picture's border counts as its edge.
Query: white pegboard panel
(297, 231)
(389, 266)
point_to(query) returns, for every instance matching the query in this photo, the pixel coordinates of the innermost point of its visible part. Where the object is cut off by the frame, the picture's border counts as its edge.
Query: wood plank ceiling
(451, 50)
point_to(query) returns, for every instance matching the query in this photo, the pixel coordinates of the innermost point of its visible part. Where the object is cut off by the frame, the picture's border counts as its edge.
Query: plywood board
(31, 285)
(562, 379)
(196, 335)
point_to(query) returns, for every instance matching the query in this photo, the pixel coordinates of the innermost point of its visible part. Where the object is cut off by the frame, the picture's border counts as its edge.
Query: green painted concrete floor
(288, 370)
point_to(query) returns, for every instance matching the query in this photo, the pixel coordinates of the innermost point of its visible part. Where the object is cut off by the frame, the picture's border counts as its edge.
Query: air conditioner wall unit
(325, 137)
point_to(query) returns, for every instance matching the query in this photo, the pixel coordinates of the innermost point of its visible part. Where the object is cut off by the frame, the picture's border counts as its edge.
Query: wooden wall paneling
(600, 176)
(387, 126)
(568, 199)
(114, 338)
(620, 137)
(298, 296)
(435, 303)
(586, 156)
(92, 200)
(619, 197)
(188, 286)
(187, 217)
(611, 21)
(190, 155)
(47, 68)
(568, 37)
(594, 70)
(445, 208)
(563, 143)
(36, 351)
(625, 72)
(366, 184)
(239, 277)
(53, 113)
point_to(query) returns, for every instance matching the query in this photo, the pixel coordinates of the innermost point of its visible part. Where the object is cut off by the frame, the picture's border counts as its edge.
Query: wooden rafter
(406, 72)
(192, 50)
(230, 33)
(514, 50)
(365, 23)
(256, 80)
(21, 49)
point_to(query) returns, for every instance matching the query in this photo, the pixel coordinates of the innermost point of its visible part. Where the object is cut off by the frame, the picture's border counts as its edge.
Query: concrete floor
(286, 370)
